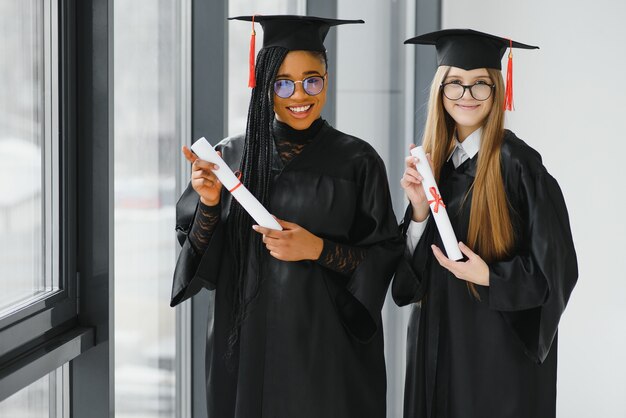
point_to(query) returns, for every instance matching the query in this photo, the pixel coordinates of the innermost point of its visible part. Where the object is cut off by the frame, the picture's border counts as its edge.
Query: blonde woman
(482, 338)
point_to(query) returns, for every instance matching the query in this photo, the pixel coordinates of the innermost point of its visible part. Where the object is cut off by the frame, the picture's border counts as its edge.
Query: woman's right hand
(203, 180)
(411, 182)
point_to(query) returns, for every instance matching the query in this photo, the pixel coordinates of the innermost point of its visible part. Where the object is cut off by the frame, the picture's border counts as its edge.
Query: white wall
(570, 99)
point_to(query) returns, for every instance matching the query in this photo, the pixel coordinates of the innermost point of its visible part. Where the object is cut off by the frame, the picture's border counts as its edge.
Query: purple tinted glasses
(311, 85)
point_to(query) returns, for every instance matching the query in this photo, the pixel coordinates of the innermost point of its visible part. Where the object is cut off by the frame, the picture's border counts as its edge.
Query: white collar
(471, 144)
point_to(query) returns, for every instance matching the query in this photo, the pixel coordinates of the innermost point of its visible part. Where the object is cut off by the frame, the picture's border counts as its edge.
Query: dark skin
(299, 111)
(297, 66)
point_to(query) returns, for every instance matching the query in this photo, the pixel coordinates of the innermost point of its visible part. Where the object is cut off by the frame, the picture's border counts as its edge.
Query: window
(45, 398)
(28, 154)
(33, 285)
(38, 307)
(148, 129)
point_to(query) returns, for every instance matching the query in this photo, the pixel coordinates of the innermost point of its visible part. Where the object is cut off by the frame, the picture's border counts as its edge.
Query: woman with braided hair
(295, 327)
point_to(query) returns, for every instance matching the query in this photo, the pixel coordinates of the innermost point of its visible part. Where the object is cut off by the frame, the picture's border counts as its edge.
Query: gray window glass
(28, 164)
(44, 398)
(147, 109)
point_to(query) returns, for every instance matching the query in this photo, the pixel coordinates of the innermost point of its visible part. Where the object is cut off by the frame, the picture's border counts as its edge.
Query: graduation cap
(301, 33)
(469, 49)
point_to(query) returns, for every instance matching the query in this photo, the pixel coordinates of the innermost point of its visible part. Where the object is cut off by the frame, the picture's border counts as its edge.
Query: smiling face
(300, 110)
(468, 113)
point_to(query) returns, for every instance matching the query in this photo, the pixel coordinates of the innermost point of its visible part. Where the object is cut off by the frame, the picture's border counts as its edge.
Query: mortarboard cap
(293, 32)
(306, 33)
(469, 49)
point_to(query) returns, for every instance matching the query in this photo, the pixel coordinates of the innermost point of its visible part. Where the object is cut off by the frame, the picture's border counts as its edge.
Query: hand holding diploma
(474, 270)
(228, 179)
(430, 193)
(293, 243)
(419, 185)
(203, 180)
(411, 182)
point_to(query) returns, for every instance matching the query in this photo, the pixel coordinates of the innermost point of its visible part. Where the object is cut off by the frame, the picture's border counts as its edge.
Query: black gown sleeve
(375, 231)
(196, 268)
(341, 258)
(189, 278)
(411, 278)
(532, 288)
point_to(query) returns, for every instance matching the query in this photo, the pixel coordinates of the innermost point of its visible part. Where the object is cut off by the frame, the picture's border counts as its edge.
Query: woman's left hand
(473, 270)
(293, 243)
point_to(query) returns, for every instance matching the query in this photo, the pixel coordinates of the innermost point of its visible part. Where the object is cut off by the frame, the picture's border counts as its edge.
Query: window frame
(39, 337)
(35, 317)
(50, 188)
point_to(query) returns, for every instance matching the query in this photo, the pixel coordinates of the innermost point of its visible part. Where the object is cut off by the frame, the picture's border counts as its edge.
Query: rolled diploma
(255, 209)
(436, 205)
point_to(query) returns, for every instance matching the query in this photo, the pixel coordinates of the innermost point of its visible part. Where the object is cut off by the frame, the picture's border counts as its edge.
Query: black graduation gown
(495, 357)
(312, 345)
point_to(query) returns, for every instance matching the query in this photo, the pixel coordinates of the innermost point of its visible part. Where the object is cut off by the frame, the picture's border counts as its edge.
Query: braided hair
(256, 169)
(256, 166)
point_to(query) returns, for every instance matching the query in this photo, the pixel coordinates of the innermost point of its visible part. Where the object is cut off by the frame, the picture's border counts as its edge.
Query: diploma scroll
(229, 180)
(437, 207)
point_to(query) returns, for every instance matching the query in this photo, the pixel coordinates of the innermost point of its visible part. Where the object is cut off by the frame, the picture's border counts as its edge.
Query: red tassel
(508, 98)
(251, 76)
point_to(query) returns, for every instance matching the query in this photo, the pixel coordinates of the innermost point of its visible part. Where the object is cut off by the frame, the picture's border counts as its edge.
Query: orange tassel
(251, 76)
(508, 98)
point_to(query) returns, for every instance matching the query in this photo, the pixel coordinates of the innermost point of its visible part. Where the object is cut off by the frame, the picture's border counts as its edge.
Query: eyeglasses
(480, 90)
(311, 85)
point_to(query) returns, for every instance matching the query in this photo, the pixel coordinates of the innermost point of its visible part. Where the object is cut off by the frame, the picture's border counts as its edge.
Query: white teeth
(300, 109)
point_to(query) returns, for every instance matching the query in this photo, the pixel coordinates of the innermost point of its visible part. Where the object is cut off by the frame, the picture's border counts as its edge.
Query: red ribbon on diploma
(238, 174)
(437, 199)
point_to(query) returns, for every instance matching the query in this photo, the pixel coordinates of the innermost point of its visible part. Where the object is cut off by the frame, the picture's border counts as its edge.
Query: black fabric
(467, 49)
(312, 344)
(302, 33)
(291, 142)
(203, 226)
(494, 357)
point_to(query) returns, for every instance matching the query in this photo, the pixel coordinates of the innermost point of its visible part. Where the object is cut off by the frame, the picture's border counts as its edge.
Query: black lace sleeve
(203, 226)
(341, 258)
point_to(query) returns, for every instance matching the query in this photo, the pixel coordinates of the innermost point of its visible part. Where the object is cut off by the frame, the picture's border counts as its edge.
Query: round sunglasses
(312, 86)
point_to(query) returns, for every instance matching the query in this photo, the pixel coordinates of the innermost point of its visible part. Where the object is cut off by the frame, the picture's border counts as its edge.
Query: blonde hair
(490, 232)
